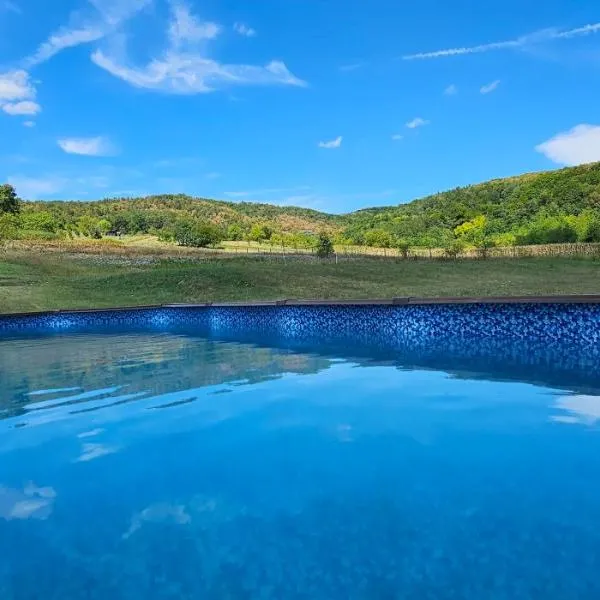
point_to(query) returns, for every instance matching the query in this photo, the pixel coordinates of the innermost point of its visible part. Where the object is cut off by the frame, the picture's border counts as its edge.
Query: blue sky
(333, 105)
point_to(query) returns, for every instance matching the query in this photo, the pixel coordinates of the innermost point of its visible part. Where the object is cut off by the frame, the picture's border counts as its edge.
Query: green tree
(324, 246)
(505, 240)
(9, 226)
(378, 238)
(260, 232)
(39, 221)
(235, 233)
(402, 246)
(104, 226)
(9, 201)
(549, 230)
(88, 226)
(198, 234)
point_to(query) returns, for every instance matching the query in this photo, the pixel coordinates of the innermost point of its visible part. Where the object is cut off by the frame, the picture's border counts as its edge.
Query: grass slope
(31, 282)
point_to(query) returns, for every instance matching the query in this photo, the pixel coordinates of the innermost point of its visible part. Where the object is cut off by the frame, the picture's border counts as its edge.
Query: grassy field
(39, 281)
(150, 245)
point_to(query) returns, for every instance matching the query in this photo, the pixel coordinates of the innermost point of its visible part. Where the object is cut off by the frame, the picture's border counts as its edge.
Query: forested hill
(511, 205)
(553, 206)
(138, 215)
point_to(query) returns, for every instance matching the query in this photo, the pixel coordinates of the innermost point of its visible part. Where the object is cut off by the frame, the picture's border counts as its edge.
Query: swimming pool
(330, 451)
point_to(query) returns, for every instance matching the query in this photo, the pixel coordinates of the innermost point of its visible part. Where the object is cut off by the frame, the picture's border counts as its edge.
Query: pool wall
(385, 324)
(558, 339)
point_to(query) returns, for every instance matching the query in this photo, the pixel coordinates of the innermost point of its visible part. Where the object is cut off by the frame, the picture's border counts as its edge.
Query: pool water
(154, 465)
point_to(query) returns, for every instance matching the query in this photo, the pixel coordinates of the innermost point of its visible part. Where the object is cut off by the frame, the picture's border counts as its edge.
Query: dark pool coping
(399, 301)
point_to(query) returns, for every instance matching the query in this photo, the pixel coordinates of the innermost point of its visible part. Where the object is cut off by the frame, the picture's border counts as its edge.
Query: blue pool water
(159, 465)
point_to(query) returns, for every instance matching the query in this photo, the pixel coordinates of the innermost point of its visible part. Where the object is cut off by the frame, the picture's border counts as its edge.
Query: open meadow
(104, 274)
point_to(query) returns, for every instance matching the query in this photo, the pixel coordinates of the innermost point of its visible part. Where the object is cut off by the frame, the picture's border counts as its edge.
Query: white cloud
(213, 175)
(451, 90)
(193, 74)
(184, 27)
(17, 93)
(490, 87)
(332, 143)
(64, 38)
(190, 71)
(94, 146)
(16, 85)
(580, 31)
(9, 6)
(29, 123)
(397, 136)
(577, 146)
(25, 107)
(244, 29)
(32, 188)
(87, 26)
(526, 40)
(351, 67)
(417, 122)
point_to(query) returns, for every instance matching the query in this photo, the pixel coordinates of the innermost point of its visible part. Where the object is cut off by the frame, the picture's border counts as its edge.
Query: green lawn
(30, 282)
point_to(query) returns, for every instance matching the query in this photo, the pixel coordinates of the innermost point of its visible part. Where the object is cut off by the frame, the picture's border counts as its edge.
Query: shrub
(324, 246)
(39, 221)
(454, 248)
(403, 247)
(197, 234)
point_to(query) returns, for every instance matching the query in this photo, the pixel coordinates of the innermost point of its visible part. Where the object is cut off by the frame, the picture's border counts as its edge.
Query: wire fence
(275, 252)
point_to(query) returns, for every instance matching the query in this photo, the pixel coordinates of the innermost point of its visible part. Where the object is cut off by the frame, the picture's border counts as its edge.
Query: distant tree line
(553, 207)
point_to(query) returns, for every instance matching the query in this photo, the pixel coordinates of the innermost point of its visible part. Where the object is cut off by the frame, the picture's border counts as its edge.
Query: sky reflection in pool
(166, 466)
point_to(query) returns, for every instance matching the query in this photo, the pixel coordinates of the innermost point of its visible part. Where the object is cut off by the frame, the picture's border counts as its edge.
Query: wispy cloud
(29, 123)
(577, 146)
(490, 87)
(87, 26)
(331, 144)
(212, 175)
(397, 137)
(244, 29)
(417, 122)
(185, 28)
(25, 107)
(9, 6)
(186, 68)
(523, 41)
(451, 90)
(352, 67)
(17, 92)
(585, 30)
(33, 188)
(94, 146)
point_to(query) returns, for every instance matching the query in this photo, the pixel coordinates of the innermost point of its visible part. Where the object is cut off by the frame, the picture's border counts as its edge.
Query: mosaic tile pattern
(377, 325)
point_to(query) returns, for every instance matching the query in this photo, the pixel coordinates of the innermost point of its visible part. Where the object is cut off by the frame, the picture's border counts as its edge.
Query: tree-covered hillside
(544, 207)
(549, 207)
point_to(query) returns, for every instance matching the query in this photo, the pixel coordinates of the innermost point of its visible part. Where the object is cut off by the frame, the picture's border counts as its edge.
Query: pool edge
(397, 301)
